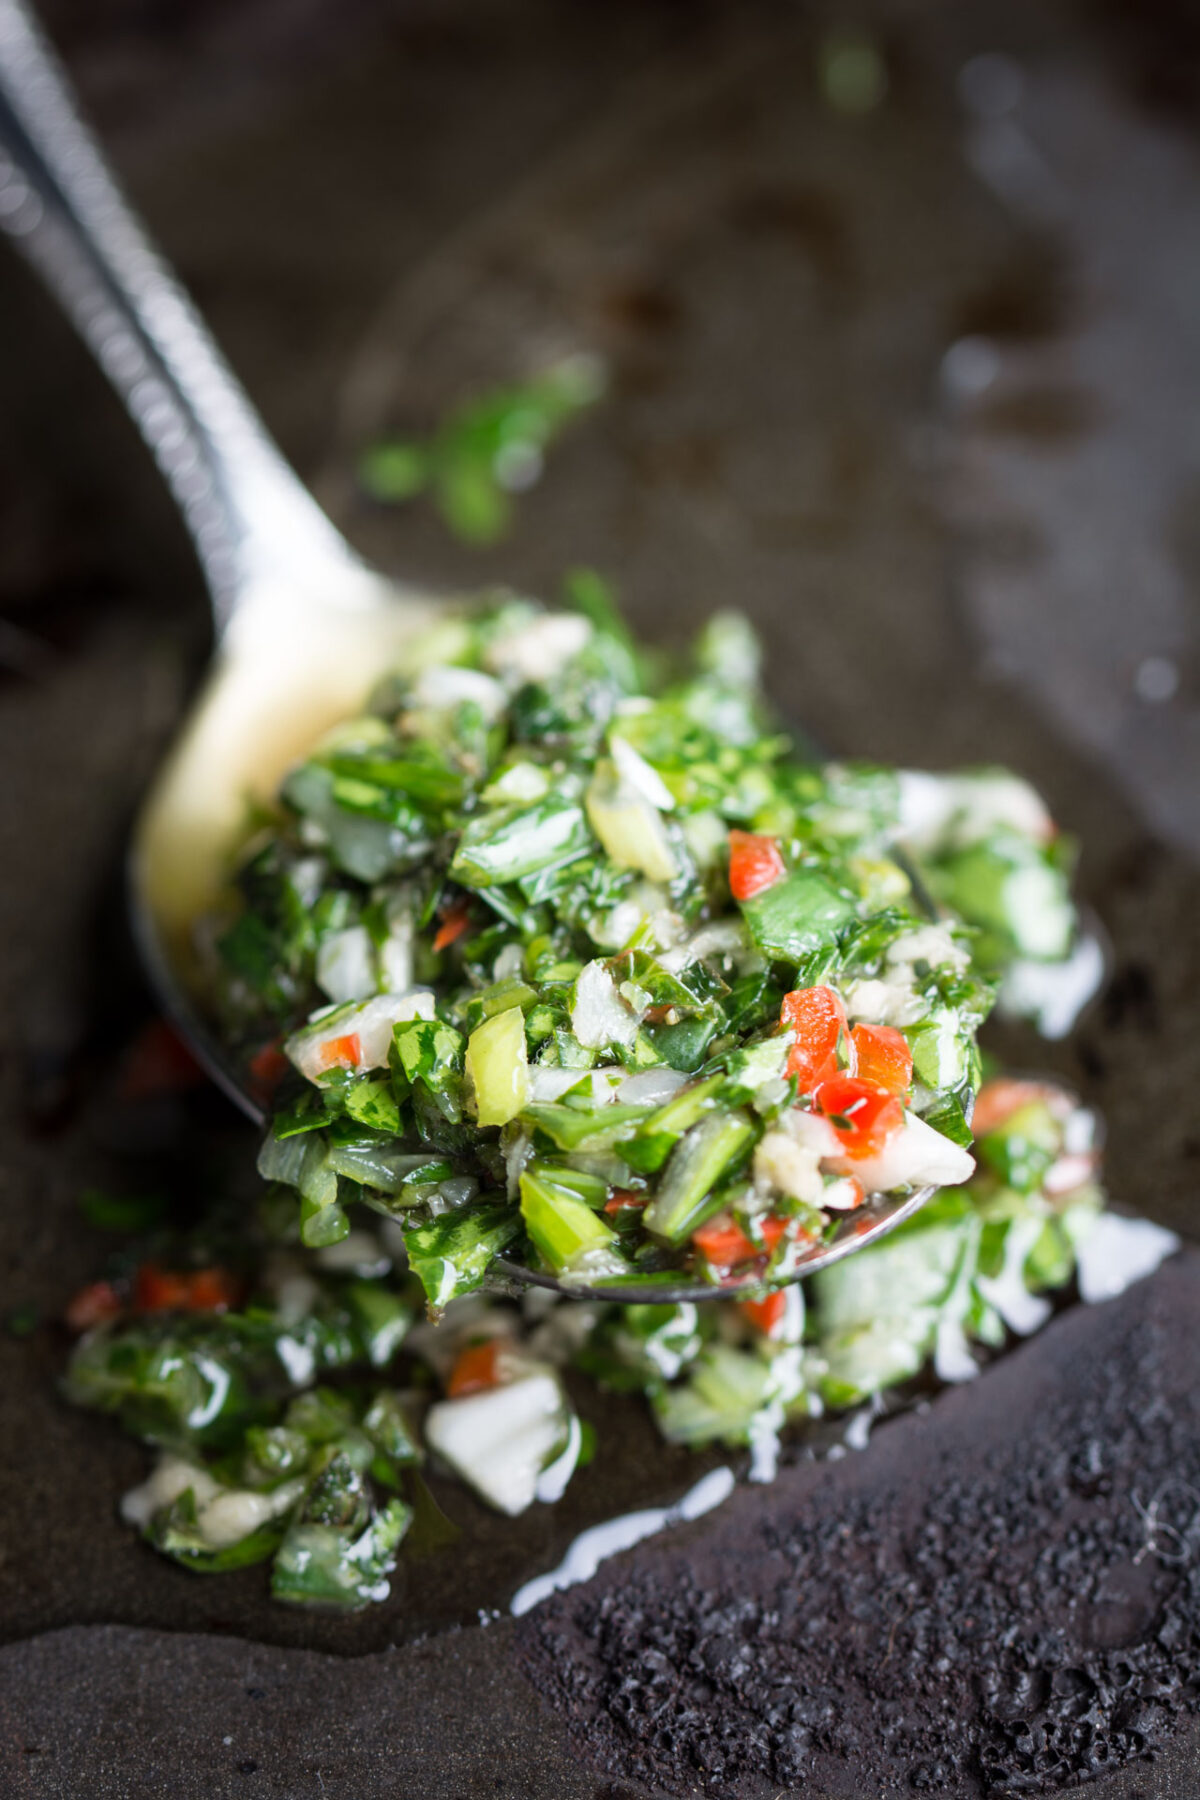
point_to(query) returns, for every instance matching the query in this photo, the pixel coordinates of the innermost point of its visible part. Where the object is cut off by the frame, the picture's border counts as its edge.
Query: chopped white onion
(884, 1002)
(510, 962)
(651, 1087)
(500, 1441)
(233, 1515)
(599, 1016)
(783, 1165)
(346, 964)
(224, 1516)
(814, 1132)
(162, 1487)
(614, 929)
(841, 1196)
(1040, 915)
(357, 1253)
(458, 1191)
(967, 808)
(524, 781)
(396, 953)
(371, 1023)
(539, 650)
(517, 1151)
(548, 1085)
(932, 944)
(634, 769)
(1053, 994)
(913, 1155)
(308, 877)
(1114, 1252)
(443, 686)
(727, 938)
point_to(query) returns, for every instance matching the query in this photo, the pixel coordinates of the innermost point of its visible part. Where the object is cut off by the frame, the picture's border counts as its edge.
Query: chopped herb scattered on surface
(553, 958)
(293, 1406)
(487, 451)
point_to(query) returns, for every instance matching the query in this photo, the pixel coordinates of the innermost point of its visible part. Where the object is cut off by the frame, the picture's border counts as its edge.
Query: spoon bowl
(303, 627)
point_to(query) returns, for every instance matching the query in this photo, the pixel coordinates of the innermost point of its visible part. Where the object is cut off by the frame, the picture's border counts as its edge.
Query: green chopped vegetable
(800, 914)
(708, 1153)
(562, 909)
(561, 1227)
(452, 1255)
(508, 843)
(327, 1566)
(260, 1461)
(498, 1066)
(486, 451)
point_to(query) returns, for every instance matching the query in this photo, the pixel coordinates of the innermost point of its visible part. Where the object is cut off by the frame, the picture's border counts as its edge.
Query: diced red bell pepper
(93, 1305)
(843, 1195)
(723, 1242)
(183, 1290)
(998, 1100)
(881, 1054)
(158, 1062)
(623, 1200)
(267, 1068)
(772, 1230)
(659, 1015)
(755, 864)
(479, 1366)
(455, 920)
(342, 1052)
(766, 1315)
(159, 1290)
(818, 1018)
(213, 1290)
(863, 1114)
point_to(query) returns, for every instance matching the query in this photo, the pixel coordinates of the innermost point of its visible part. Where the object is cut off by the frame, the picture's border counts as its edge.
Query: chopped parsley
(588, 968)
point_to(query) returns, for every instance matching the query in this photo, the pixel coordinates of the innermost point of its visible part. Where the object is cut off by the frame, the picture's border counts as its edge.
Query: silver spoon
(303, 627)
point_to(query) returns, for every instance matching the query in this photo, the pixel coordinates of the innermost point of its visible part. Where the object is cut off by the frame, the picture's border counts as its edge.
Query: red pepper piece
(213, 1290)
(93, 1305)
(478, 1368)
(342, 1052)
(158, 1062)
(999, 1099)
(863, 1114)
(766, 1315)
(183, 1290)
(755, 864)
(623, 1200)
(455, 920)
(881, 1054)
(723, 1242)
(267, 1067)
(818, 1018)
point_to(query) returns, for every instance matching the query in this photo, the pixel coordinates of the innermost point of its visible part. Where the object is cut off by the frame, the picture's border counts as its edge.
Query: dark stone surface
(112, 1711)
(118, 1713)
(381, 207)
(999, 1597)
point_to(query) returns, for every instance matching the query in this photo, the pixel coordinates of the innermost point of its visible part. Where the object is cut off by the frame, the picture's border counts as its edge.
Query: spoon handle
(248, 514)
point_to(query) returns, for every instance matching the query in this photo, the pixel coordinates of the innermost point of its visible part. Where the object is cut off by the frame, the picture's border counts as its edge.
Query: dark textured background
(953, 555)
